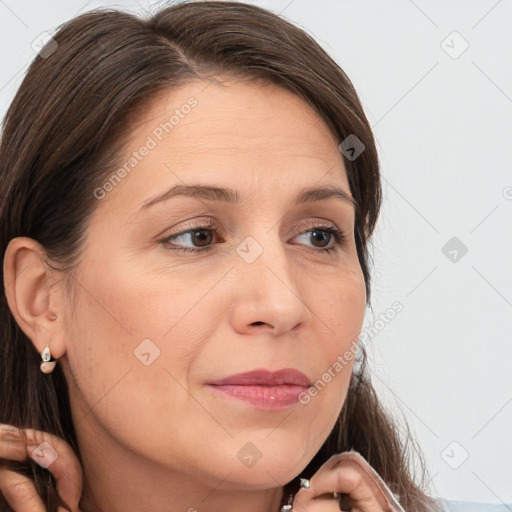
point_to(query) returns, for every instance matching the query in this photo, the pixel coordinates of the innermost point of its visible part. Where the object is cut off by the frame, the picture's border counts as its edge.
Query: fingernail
(4, 427)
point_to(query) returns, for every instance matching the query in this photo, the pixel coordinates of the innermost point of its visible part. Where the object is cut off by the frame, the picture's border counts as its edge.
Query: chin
(268, 466)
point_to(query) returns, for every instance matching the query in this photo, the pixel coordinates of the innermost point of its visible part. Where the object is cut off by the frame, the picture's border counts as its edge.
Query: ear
(31, 296)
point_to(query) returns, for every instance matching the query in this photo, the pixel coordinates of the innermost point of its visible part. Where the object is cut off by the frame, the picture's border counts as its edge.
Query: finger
(20, 492)
(371, 477)
(343, 479)
(48, 451)
(349, 473)
(57, 456)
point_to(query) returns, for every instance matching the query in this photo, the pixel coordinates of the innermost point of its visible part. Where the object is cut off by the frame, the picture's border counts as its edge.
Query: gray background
(442, 116)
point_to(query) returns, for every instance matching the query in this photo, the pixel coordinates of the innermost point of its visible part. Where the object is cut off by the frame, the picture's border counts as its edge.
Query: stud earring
(48, 363)
(304, 483)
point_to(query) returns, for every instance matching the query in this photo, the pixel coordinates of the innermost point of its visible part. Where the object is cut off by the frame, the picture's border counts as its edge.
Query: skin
(211, 314)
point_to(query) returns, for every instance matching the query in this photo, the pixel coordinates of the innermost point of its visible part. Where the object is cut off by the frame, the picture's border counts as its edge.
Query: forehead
(253, 134)
(241, 116)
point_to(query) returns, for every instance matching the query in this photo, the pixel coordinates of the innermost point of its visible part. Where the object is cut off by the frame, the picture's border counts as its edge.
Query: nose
(270, 292)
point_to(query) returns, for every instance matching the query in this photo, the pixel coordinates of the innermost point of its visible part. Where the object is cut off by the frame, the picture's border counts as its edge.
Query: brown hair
(61, 140)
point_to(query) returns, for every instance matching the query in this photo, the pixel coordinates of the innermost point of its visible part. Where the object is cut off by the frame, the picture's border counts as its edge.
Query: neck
(173, 498)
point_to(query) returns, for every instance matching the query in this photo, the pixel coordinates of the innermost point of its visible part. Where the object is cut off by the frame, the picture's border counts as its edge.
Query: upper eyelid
(338, 216)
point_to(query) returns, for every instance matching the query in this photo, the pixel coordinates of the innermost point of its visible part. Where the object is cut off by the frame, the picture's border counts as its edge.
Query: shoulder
(467, 506)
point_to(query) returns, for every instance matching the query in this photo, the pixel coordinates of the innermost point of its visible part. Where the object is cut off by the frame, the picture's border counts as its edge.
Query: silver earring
(48, 363)
(304, 483)
(288, 507)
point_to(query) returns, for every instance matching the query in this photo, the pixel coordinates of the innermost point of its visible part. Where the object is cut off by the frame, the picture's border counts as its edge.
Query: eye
(324, 235)
(201, 237)
(201, 234)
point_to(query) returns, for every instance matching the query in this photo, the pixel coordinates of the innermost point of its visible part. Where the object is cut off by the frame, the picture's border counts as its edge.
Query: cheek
(340, 311)
(341, 308)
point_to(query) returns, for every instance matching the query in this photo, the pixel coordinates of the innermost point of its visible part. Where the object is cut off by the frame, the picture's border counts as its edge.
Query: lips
(264, 389)
(265, 378)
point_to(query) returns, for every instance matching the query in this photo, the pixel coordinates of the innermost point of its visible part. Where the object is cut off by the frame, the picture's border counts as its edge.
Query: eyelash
(339, 237)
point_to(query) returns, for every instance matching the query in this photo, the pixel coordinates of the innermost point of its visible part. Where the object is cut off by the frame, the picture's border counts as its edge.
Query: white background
(443, 128)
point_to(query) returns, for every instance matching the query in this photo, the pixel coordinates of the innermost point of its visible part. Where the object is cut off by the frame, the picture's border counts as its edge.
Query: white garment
(466, 506)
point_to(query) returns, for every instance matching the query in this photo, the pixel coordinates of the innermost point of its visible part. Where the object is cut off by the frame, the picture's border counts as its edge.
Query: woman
(186, 208)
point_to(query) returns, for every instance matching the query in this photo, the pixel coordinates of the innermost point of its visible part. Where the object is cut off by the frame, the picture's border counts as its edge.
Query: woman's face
(174, 296)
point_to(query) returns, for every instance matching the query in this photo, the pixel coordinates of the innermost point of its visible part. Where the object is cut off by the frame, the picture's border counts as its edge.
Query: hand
(346, 473)
(19, 490)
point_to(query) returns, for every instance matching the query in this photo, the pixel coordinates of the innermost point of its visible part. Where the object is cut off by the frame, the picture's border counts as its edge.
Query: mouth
(264, 389)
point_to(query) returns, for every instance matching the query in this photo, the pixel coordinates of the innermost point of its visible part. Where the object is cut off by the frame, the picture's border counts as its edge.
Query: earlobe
(27, 283)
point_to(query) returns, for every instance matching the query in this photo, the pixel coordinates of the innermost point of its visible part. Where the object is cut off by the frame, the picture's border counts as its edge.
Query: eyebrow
(228, 195)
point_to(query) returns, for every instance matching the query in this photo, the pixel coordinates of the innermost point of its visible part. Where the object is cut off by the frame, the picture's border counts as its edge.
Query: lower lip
(266, 397)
